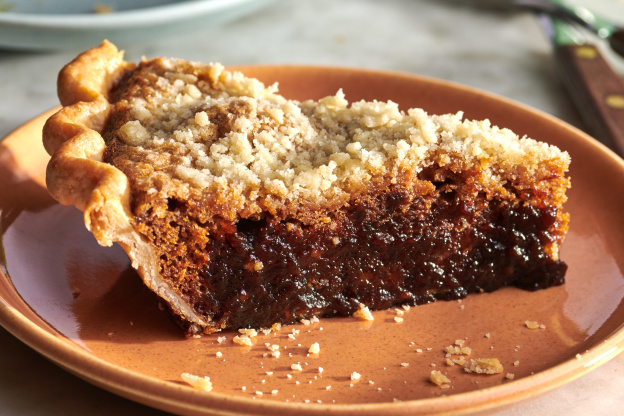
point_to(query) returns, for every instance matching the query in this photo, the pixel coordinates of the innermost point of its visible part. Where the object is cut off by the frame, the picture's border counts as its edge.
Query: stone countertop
(500, 52)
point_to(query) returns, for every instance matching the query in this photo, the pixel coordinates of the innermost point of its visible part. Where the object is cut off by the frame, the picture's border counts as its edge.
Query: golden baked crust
(77, 176)
(187, 166)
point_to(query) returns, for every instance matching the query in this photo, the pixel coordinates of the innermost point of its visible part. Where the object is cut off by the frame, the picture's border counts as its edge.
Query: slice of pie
(242, 209)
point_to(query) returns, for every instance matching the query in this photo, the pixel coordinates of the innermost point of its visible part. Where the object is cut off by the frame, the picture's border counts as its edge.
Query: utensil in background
(602, 27)
(596, 89)
(594, 86)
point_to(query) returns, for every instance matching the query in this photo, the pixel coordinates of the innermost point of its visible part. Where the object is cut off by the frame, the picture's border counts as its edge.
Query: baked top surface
(227, 141)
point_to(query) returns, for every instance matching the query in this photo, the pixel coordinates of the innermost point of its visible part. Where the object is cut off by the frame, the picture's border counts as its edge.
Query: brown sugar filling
(410, 235)
(387, 248)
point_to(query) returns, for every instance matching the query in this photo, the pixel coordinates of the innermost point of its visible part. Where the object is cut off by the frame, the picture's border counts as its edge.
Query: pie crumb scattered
(483, 366)
(314, 348)
(364, 313)
(439, 379)
(242, 340)
(200, 383)
(534, 325)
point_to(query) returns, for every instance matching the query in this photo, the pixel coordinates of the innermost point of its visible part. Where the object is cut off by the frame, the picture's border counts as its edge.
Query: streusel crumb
(316, 153)
(484, 366)
(364, 313)
(439, 379)
(201, 383)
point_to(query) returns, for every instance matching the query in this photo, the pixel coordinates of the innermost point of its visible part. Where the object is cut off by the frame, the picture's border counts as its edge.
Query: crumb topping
(232, 141)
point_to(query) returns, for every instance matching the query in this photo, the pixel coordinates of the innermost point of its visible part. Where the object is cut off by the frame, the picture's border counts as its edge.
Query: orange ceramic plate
(83, 307)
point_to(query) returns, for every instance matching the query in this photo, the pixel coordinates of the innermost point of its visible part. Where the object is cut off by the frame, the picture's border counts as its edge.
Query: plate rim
(41, 32)
(137, 17)
(149, 390)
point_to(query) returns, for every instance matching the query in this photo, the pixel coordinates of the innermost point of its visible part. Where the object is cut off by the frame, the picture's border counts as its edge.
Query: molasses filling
(388, 248)
(243, 209)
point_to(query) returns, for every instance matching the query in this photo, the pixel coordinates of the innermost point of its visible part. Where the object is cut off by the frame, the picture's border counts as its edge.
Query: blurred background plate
(56, 24)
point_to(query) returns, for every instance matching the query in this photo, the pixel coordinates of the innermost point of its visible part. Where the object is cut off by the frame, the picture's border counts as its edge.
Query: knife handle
(596, 89)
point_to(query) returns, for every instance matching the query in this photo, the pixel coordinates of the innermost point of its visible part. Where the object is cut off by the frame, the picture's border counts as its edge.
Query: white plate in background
(56, 24)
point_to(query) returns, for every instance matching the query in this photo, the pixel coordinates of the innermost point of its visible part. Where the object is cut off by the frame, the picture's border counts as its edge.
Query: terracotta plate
(83, 307)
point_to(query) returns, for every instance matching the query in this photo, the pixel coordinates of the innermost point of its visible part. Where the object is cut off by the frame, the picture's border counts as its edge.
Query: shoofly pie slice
(241, 208)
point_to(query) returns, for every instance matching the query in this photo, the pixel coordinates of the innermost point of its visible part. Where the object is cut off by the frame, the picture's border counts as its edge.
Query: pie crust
(76, 174)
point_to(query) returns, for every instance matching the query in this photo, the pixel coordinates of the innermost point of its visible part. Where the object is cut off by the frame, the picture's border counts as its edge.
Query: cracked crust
(76, 174)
